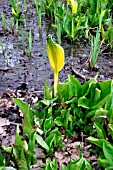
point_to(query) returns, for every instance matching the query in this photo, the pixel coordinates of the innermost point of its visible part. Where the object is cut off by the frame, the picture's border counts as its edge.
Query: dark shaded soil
(23, 76)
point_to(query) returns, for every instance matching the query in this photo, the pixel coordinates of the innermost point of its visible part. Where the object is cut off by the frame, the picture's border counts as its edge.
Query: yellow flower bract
(74, 5)
(56, 58)
(56, 55)
(13, 12)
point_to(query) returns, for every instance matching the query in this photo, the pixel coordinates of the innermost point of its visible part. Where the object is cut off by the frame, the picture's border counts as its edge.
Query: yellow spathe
(56, 55)
(13, 12)
(74, 5)
(56, 58)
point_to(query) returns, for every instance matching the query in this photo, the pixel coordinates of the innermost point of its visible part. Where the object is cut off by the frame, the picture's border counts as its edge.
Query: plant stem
(72, 34)
(55, 82)
(16, 27)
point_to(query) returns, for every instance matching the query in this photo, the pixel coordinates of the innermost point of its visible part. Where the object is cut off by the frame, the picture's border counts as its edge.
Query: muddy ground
(22, 76)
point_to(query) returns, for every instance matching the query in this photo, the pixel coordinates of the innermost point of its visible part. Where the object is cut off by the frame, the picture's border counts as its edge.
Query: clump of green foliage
(75, 107)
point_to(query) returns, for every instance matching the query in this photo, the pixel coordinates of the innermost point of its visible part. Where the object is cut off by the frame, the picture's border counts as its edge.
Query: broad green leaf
(28, 121)
(110, 126)
(49, 140)
(92, 94)
(80, 164)
(58, 121)
(97, 96)
(90, 114)
(45, 102)
(18, 140)
(85, 89)
(62, 91)
(41, 142)
(2, 162)
(22, 161)
(67, 21)
(108, 151)
(50, 165)
(74, 86)
(105, 88)
(83, 102)
(31, 144)
(101, 103)
(47, 92)
(7, 149)
(109, 168)
(48, 123)
(50, 1)
(71, 101)
(54, 139)
(104, 163)
(98, 142)
(64, 167)
(99, 112)
(100, 131)
(13, 4)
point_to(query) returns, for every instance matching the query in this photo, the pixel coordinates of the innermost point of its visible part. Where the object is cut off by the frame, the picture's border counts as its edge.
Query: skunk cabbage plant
(56, 58)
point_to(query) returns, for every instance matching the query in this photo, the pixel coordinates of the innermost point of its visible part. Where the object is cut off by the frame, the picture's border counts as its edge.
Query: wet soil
(22, 76)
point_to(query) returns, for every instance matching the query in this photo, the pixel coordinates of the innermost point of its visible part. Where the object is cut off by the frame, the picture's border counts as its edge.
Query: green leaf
(2, 161)
(41, 142)
(62, 91)
(28, 121)
(90, 114)
(110, 126)
(45, 102)
(104, 163)
(50, 1)
(74, 86)
(101, 103)
(100, 131)
(108, 152)
(64, 167)
(48, 124)
(50, 165)
(80, 164)
(85, 88)
(7, 149)
(49, 141)
(22, 161)
(105, 88)
(97, 96)
(31, 144)
(99, 112)
(19, 145)
(98, 142)
(83, 102)
(58, 121)
(54, 139)
(13, 4)
(47, 92)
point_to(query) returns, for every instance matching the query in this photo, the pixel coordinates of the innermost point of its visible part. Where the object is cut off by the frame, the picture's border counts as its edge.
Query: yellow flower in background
(70, 2)
(103, 13)
(56, 58)
(13, 12)
(103, 33)
(74, 5)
